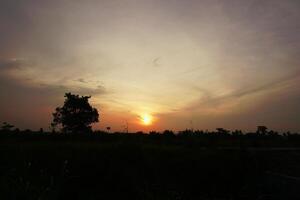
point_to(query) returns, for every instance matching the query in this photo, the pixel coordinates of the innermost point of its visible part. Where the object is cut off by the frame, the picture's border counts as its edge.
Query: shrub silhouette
(76, 115)
(6, 126)
(168, 133)
(222, 131)
(262, 130)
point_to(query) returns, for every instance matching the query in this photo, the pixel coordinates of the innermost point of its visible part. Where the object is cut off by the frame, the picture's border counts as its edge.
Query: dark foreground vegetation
(189, 165)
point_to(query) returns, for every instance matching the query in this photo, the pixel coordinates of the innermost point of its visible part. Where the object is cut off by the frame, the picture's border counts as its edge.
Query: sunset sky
(198, 64)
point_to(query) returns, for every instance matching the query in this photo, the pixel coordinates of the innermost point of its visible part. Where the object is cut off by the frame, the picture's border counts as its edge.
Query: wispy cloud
(82, 80)
(209, 99)
(10, 64)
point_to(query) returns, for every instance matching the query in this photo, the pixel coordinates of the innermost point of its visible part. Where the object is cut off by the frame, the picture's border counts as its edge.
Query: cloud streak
(208, 99)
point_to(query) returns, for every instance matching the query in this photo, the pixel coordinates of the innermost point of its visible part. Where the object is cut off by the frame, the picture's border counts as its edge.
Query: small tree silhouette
(6, 126)
(76, 115)
(262, 130)
(222, 131)
(168, 133)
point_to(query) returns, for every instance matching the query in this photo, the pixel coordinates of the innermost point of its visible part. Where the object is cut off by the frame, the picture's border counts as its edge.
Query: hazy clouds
(216, 62)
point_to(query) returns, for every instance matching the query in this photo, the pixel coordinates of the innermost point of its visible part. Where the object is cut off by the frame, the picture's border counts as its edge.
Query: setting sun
(146, 119)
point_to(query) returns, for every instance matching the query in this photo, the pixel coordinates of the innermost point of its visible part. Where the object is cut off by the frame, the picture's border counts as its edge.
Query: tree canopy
(76, 115)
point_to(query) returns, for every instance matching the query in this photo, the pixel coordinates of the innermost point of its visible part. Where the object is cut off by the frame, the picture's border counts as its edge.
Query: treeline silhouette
(219, 138)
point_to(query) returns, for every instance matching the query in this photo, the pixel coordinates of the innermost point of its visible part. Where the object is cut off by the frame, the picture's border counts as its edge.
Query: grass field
(139, 166)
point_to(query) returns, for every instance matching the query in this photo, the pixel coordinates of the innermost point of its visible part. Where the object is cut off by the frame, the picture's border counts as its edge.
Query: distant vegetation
(220, 138)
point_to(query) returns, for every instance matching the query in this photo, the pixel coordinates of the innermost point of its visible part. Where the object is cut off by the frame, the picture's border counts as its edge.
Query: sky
(198, 64)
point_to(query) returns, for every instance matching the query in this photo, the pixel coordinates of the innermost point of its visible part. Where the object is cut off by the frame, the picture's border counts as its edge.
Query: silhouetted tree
(272, 133)
(199, 132)
(222, 131)
(153, 133)
(237, 133)
(261, 130)
(76, 115)
(168, 133)
(6, 126)
(186, 132)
